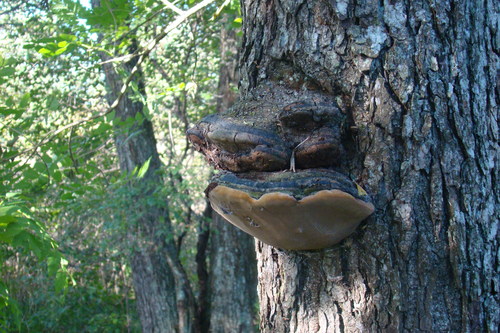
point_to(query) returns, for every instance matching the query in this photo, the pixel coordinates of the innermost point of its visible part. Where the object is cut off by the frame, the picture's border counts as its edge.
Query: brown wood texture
(233, 279)
(419, 79)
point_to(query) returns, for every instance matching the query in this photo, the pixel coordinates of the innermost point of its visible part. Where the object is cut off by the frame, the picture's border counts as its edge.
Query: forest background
(66, 232)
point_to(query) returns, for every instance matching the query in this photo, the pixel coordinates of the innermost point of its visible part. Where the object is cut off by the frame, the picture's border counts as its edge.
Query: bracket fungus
(241, 139)
(273, 129)
(304, 210)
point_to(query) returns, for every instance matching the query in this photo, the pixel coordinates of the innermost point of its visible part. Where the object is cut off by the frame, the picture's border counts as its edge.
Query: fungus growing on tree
(240, 139)
(309, 209)
(305, 210)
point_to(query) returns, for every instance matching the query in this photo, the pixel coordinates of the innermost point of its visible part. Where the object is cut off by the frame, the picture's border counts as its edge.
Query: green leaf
(12, 230)
(139, 117)
(40, 167)
(52, 103)
(46, 158)
(61, 281)
(25, 101)
(7, 302)
(67, 37)
(11, 195)
(62, 44)
(7, 71)
(110, 117)
(237, 23)
(60, 51)
(30, 243)
(57, 175)
(67, 196)
(143, 169)
(30, 174)
(9, 102)
(6, 220)
(9, 111)
(102, 128)
(8, 210)
(53, 264)
(45, 51)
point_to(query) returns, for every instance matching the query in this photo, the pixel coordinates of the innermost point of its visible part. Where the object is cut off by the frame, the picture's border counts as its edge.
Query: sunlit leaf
(44, 51)
(60, 51)
(8, 210)
(67, 37)
(144, 168)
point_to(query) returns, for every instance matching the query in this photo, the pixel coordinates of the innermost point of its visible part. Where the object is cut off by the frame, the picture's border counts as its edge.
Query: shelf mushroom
(274, 128)
(305, 210)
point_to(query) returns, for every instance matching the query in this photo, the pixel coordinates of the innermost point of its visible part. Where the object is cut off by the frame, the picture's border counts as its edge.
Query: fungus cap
(312, 222)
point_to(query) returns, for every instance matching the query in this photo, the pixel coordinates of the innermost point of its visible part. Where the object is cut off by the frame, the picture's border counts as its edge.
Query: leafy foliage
(63, 201)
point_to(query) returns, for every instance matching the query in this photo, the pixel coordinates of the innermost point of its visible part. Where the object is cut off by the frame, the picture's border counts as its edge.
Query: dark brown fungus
(230, 144)
(262, 132)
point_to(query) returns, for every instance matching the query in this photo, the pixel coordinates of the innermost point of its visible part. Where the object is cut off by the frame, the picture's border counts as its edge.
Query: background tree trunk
(233, 267)
(165, 302)
(419, 80)
(233, 279)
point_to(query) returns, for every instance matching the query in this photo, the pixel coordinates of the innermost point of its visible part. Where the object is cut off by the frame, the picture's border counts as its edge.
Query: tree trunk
(419, 81)
(165, 302)
(233, 274)
(164, 298)
(233, 268)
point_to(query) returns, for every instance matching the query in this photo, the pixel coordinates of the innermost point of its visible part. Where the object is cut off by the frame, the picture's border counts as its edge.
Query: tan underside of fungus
(313, 222)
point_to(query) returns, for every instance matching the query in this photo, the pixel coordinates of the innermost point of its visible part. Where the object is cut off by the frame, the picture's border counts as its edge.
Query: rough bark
(165, 302)
(233, 267)
(233, 282)
(419, 81)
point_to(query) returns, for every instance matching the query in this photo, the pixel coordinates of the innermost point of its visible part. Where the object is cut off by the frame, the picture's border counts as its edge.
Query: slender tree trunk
(233, 268)
(164, 299)
(233, 273)
(165, 302)
(419, 79)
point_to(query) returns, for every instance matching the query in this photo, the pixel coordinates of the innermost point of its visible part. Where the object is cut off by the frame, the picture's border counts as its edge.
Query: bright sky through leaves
(85, 3)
